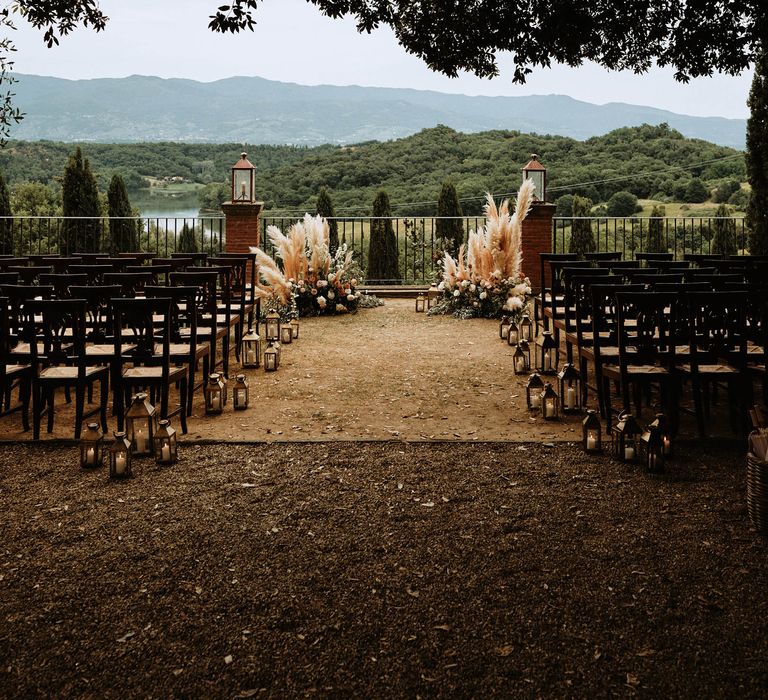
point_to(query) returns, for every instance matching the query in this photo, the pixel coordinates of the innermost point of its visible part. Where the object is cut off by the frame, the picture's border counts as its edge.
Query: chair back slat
(718, 327)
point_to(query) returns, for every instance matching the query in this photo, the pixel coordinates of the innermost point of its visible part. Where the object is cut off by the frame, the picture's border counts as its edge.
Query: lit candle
(141, 441)
(629, 453)
(520, 365)
(547, 361)
(549, 408)
(591, 441)
(667, 446)
(90, 456)
(119, 464)
(535, 400)
(215, 398)
(251, 356)
(165, 452)
(570, 397)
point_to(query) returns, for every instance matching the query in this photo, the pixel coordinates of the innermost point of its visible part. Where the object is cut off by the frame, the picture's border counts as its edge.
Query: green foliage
(725, 190)
(382, 250)
(6, 225)
(187, 242)
(622, 204)
(449, 232)
(213, 195)
(122, 231)
(582, 238)
(656, 242)
(739, 200)
(80, 198)
(757, 158)
(564, 205)
(724, 238)
(696, 191)
(325, 209)
(34, 199)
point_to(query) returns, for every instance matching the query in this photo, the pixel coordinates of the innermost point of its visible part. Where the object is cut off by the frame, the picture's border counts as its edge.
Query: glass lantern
(535, 171)
(92, 447)
(651, 445)
(295, 327)
(513, 333)
(569, 383)
(243, 181)
(250, 350)
(592, 433)
(214, 396)
(521, 359)
(270, 358)
(660, 422)
(625, 435)
(533, 389)
(504, 327)
(140, 425)
(550, 406)
(421, 304)
(272, 323)
(526, 328)
(432, 295)
(240, 393)
(120, 457)
(286, 334)
(547, 355)
(166, 445)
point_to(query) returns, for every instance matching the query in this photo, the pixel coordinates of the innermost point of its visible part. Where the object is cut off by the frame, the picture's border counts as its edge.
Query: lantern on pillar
(250, 351)
(535, 171)
(521, 359)
(166, 446)
(92, 447)
(243, 181)
(569, 383)
(533, 389)
(120, 457)
(592, 433)
(272, 324)
(625, 435)
(140, 425)
(547, 355)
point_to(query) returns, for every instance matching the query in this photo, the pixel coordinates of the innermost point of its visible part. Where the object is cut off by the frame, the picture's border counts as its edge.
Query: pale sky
(294, 42)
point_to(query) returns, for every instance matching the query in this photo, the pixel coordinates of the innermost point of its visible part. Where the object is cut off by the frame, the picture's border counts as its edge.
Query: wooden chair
(618, 264)
(198, 258)
(575, 281)
(158, 273)
(61, 283)
(95, 272)
(701, 259)
(139, 258)
(19, 296)
(30, 274)
(233, 292)
(647, 258)
(543, 298)
(131, 283)
(13, 375)
(60, 264)
(252, 304)
(6, 263)
(185, 348)
(721, 281)
(552, 302)
(671, 265)
(612, 256)
(62, 362)
(9, 278)
(148, 366)
(650, 280)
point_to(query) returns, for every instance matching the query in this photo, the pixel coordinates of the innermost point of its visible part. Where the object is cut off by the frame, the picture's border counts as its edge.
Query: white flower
(441, 286)
(475, 304)
(322, 283)
(514, 303)
(472, 287)
(341, 309)
(483, 295)
(520, 290)
(321, 302)
(314, 292)
(350, 297)
(465, 284)
(353, 282)
(331, 294)
(302, 289)
(456, 293)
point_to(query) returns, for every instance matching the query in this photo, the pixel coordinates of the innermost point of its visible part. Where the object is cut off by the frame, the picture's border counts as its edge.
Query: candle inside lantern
(90, 456)
(165, 452)
(570, 397)
(536, 401)
(120, 464)
(591, 441)
(667, 446)
(141, 441)
(215, 398)
(629, 453)
(549, 408)
(547, 361)
(520, 365)
(242, 189)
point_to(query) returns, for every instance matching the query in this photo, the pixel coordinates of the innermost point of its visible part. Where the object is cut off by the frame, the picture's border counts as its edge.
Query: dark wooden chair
(650, 280)
(62, 362)
(198, 258)
(233, 293)
(647, 258)
(12, 374)
(702, 259)
(95, 272)
(614, 256)
(30, 274)
(618, 264)
(575, 281)
(60, 264)
(721, 281)
(6, 263)
(61, 283)
(149, 365)
(159, 273)
(9, 278)
(252, 304)
(544, 297)
(19, 296)
(671, 265)
(131, 283)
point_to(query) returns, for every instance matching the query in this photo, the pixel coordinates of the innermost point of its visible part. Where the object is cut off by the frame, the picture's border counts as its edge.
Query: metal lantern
(92, 447)
(526, 328)
(592, 433)
(547, 355)
(533, 388)
(295, 327)
(270, 358)
(240, 393)
(120, 457)
(504, 327)
(223, 386)
(243, 181)
(521, 359)
(272, 324)
(214, 396)
(166, 445)
(569, 383)
(535, 171)
(651, 446)
(625, 435)
(140, 425)
(421, 304)
(250, 350)
(660, 422)
(286, 334)
(432, 295)
(550, 407)
(513, 333)
(279, 350)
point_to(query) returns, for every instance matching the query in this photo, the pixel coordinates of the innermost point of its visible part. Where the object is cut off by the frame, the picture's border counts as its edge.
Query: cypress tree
(449, 232)
(187, 242)
(656, 242)
(6, 225)
(757, 157)
(582, 238)
(325, 209)
(724, 239)
(80, 198)
(122, 231)
(382, 251)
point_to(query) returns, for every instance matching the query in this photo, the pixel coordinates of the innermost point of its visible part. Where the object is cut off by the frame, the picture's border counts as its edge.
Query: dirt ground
(384, 373)
(380, 570)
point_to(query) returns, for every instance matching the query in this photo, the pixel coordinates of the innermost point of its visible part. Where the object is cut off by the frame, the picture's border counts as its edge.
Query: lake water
(161, 206)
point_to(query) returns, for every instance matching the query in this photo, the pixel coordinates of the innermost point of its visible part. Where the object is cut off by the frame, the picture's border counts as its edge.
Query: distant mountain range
(255, 110)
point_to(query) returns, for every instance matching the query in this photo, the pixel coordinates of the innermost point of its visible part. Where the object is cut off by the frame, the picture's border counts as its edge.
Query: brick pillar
(537, 238)
(242, 221)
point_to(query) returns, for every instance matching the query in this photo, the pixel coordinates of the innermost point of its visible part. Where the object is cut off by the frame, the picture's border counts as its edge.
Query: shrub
(582, 238)
(564, 205)
(724, 239)
(656, 242)
(725, 190)
(325, 209)
(122, 230)
(696, 191)
(739, 200)
(622, 204)
(187, 242)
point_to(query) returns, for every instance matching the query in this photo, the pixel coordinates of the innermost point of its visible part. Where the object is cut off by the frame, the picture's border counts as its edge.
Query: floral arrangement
(488, 280)
(312, 281)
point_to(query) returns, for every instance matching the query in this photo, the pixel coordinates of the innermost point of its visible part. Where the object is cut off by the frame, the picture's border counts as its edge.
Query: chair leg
(25, 388)
(697, 402)
(104, 401)
(51, 398)
(37, 409)
(79, 409)
(183, 388)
